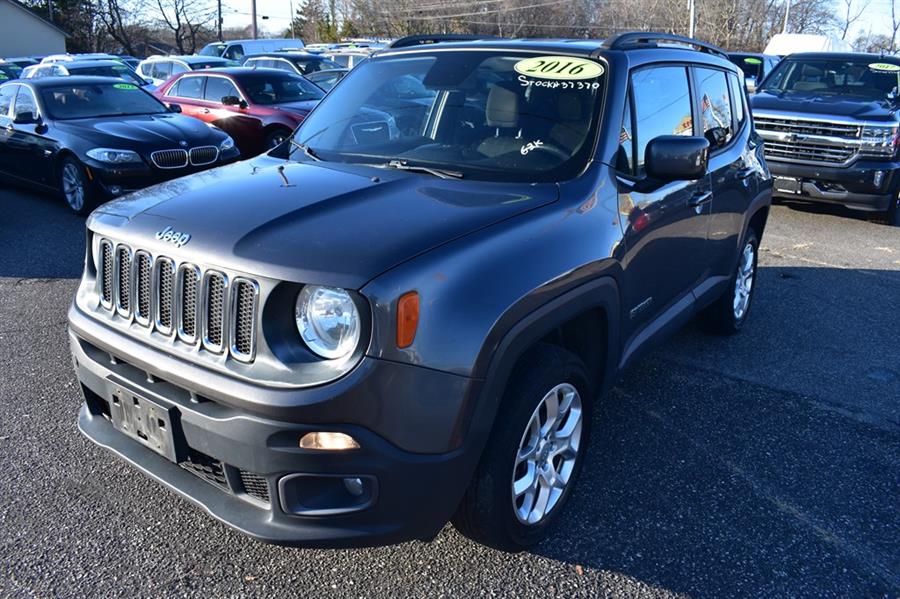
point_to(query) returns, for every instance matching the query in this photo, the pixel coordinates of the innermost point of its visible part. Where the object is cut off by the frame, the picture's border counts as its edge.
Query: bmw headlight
(113, 156)
(328, 321)
(226, 144)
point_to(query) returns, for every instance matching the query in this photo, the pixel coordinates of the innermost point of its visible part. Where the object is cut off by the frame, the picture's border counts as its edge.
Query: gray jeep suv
(394, 321)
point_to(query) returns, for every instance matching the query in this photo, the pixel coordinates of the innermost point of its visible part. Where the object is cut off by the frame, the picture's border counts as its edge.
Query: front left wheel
(892, 214)
(75, 187)
(534, 455)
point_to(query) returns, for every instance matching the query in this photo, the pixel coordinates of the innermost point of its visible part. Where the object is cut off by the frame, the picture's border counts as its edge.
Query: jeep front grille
(195, 307)
(807, 141)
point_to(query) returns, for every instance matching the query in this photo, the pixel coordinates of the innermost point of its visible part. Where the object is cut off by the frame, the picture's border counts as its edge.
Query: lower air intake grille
(255, 485)
(206, 467)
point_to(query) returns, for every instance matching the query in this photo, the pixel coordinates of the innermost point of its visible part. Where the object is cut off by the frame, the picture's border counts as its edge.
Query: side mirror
(676, 158)
(234, 101)
(173, 107)
(26, 118)
(750, 84)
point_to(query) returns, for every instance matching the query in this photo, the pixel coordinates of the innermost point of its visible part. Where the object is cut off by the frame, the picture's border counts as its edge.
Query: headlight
(879, 140)
(327, 320)
(113, 156)
(227, 144)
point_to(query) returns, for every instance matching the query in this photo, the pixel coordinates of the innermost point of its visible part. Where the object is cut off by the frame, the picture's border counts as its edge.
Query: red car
(259, 108)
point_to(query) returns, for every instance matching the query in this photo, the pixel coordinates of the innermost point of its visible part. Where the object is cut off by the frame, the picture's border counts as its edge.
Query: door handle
(206, 111)
(700, 198)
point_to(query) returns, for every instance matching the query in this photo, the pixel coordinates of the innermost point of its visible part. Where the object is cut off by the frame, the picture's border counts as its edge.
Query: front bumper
(852, 186)
(246, 469)
(115, 180)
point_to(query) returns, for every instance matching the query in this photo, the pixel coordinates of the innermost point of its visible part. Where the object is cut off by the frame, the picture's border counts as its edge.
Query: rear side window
(218, 88)
(188, 87)
(162, 70)
(662, 106)
(715, 106)
(737, 97)
(6, 97)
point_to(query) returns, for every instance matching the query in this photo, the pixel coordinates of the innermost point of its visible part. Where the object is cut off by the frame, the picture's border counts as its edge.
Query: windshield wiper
(402, 165)
(305, 149)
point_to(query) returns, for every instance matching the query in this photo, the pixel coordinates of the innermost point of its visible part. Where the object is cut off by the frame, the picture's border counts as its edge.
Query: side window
(25, 103)
(177, 67)
(737, 97)
(7, 93)
(162, 69)
(218, 88)
(625, 155)
(288, 67)
(715, 106)
(662, 106)
(188, 87)
(234, 52)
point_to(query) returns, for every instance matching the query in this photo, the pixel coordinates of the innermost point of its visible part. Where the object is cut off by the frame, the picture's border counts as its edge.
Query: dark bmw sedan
(93, 138)
(259, 108)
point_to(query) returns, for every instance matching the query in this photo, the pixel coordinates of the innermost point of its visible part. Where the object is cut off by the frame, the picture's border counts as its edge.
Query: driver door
(7, 95)
(31, 151)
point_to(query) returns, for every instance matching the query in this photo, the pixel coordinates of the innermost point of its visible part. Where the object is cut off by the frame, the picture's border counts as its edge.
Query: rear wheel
(534, 455)
(75, 187)
(728, 314)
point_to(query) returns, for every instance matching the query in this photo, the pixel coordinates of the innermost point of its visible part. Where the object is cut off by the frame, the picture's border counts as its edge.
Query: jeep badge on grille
(174, 237)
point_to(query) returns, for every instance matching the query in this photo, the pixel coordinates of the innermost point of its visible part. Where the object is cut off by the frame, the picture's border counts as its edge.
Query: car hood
(302, 107)
(142, 132)
(324, 223)
(824, 105)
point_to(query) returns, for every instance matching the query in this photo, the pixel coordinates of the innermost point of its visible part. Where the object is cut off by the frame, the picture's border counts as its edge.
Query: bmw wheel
(75, 187)
(535, 453)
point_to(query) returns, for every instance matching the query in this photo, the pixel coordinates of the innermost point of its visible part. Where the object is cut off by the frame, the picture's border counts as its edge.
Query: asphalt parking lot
(766, 464)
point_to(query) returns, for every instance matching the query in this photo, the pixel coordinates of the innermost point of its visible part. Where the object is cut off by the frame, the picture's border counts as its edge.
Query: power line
(479, 13)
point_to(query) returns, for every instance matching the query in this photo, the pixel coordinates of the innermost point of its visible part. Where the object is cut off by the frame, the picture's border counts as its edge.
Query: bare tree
(119, 19)
(186, 21)
(851, 16)
(895, 24)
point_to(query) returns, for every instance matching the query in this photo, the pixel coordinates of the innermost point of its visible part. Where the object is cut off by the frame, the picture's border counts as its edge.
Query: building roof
(24, 8)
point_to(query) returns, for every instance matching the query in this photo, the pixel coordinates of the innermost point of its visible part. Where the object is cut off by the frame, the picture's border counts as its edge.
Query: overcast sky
(877, 16)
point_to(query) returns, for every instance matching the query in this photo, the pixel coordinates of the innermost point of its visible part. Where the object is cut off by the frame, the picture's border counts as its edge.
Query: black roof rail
(421, 40)
(637, 39)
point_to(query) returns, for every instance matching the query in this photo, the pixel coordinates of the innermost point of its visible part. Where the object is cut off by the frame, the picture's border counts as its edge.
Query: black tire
(892, 214)
(487, 512)
(722, 315)
(70, 176)
(276, 137)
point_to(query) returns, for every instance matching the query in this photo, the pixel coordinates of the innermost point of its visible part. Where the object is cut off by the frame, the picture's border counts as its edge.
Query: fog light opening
(115, 190)
(354, 486)
(328, 441)
(878, 178)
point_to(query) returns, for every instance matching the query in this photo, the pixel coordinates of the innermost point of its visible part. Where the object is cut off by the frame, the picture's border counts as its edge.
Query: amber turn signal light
(407, 318)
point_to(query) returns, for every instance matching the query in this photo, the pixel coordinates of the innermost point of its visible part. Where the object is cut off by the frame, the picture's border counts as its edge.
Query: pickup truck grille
(804, 141)
(179, 300)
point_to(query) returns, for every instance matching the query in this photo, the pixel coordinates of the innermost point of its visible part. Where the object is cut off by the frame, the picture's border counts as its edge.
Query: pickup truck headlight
(328, 321)
(113, 156)
(879, 140)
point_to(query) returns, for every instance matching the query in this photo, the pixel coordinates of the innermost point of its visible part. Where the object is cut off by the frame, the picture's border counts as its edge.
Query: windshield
(208, 64)
(279, 88)
(212, 50)
(489, 115)
(122, 72)
(9, 71)
(89, 100)
(870, 78)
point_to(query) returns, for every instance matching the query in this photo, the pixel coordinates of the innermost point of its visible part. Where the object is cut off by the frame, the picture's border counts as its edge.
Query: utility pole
(291, 6)
(787, 13)
(253, 18)
(219, 21)
(691, 17)
(50, 9)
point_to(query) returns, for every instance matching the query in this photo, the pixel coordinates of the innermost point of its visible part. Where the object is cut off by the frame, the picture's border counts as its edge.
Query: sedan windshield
(278, 88)
(91, 100)
(489, 115)
(9, 71)
(871, 78)
(121, 72)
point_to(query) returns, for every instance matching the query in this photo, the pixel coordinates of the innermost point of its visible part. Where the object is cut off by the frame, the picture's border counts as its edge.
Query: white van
(783, 44)
(237, 49)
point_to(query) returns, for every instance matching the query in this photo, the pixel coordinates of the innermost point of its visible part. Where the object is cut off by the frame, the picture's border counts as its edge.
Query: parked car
(346, 59)
(58, 58)
(754, 66)
(94, 138)
(9, 71)
(158, 69)
(78, 68)
(130, 61)
(301, 63)
(832, 130)
(237, 49)
(259, 108)
(21, 61)
(327, 79)
(354, 338)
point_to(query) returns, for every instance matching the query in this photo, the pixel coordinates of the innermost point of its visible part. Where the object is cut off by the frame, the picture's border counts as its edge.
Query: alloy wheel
(743, 282)
(547, 454)
(73, 186)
